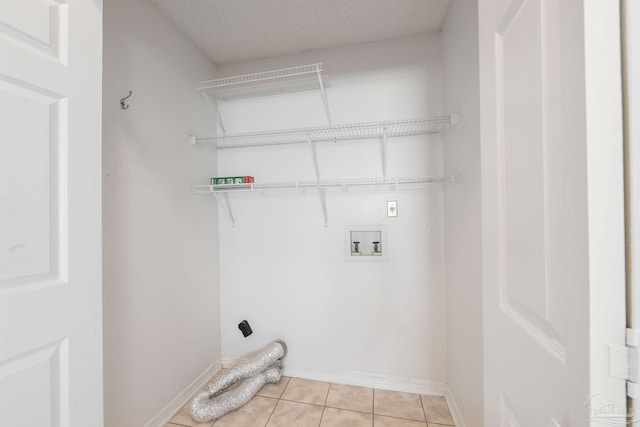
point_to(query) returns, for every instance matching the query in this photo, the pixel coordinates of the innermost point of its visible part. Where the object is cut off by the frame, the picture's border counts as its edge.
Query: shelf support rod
(223, 202)
(224, 132)
(214, 103)
(384, 152)
(314, 159)
(323, 206)
(324, 96)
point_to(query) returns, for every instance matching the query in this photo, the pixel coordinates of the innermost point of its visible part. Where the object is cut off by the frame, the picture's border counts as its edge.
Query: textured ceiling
(235, 30)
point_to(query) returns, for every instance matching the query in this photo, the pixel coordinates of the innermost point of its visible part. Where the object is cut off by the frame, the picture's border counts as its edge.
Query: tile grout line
(347, 409)
(434, 423)
(325, 404)
(407, 419)
(423, 411)
(277, 403)
(272, 411)
(326, 397)
(373, 407)
(411, 419)
(321, 416)
(303, 403)
(324, 407)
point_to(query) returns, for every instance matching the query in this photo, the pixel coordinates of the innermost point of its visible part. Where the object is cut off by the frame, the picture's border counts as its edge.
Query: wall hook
(122, 104)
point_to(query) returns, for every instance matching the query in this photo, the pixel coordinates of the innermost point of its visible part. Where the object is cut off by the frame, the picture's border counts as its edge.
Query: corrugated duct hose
(265, 367)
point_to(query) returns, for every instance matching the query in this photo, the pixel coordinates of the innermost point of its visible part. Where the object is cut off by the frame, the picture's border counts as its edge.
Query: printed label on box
(232, 180)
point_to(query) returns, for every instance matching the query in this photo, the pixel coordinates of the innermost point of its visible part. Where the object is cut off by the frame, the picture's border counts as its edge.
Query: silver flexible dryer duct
(212, 403)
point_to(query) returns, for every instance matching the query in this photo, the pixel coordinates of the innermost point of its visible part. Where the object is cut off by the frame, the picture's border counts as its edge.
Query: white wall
(161, 295)
(284, 272)
(463, 246)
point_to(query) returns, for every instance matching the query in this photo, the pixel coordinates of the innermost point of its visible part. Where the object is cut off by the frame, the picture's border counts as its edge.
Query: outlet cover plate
(392, 208)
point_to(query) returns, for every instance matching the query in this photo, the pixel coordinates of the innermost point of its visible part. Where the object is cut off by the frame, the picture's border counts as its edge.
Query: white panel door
(50, 220)
(553, 226)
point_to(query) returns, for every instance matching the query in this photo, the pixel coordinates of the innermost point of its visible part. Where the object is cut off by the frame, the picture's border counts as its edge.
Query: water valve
(366, 243)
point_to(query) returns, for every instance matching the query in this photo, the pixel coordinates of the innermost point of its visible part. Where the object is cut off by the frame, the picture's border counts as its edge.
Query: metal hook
(122, 104)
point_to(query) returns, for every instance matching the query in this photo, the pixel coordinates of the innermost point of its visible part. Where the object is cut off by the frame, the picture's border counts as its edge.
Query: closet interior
(379, 137)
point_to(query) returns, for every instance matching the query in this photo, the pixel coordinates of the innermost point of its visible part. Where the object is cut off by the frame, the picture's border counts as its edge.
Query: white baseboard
(179, 401)
(366, 379)
(228, 362)
(362, 379)
(453, 408)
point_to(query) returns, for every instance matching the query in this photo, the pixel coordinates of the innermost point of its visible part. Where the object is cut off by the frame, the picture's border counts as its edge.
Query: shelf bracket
(323, 205)
(223, 202)
(384, 152)
(314, 159)
(214, 103)
(323, 93)
(220, 123)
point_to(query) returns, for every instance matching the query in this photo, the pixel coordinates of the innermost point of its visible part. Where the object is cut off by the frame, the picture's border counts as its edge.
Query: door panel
(542, 237)
(50, 233)
(37, 24)
(36, 378)
(527, 244)
(29, 183)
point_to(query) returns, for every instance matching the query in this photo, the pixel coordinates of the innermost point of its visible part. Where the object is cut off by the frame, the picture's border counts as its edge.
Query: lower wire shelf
(324, 184)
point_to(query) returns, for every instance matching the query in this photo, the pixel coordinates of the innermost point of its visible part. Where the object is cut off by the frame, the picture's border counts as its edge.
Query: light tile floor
(296, 402)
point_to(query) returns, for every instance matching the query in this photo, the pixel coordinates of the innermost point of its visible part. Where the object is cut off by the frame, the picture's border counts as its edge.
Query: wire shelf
(293, 79)
(333, 133)
(324, 184)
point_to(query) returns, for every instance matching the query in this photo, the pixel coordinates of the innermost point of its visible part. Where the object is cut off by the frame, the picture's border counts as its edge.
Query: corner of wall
(160, 242)
(463, 244)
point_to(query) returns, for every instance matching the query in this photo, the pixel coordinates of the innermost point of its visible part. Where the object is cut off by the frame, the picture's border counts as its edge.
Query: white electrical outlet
(392, 208)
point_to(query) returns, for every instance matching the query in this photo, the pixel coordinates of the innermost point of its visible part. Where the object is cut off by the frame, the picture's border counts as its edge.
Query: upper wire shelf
(324, 184)
(391, 128)
(293, 79)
